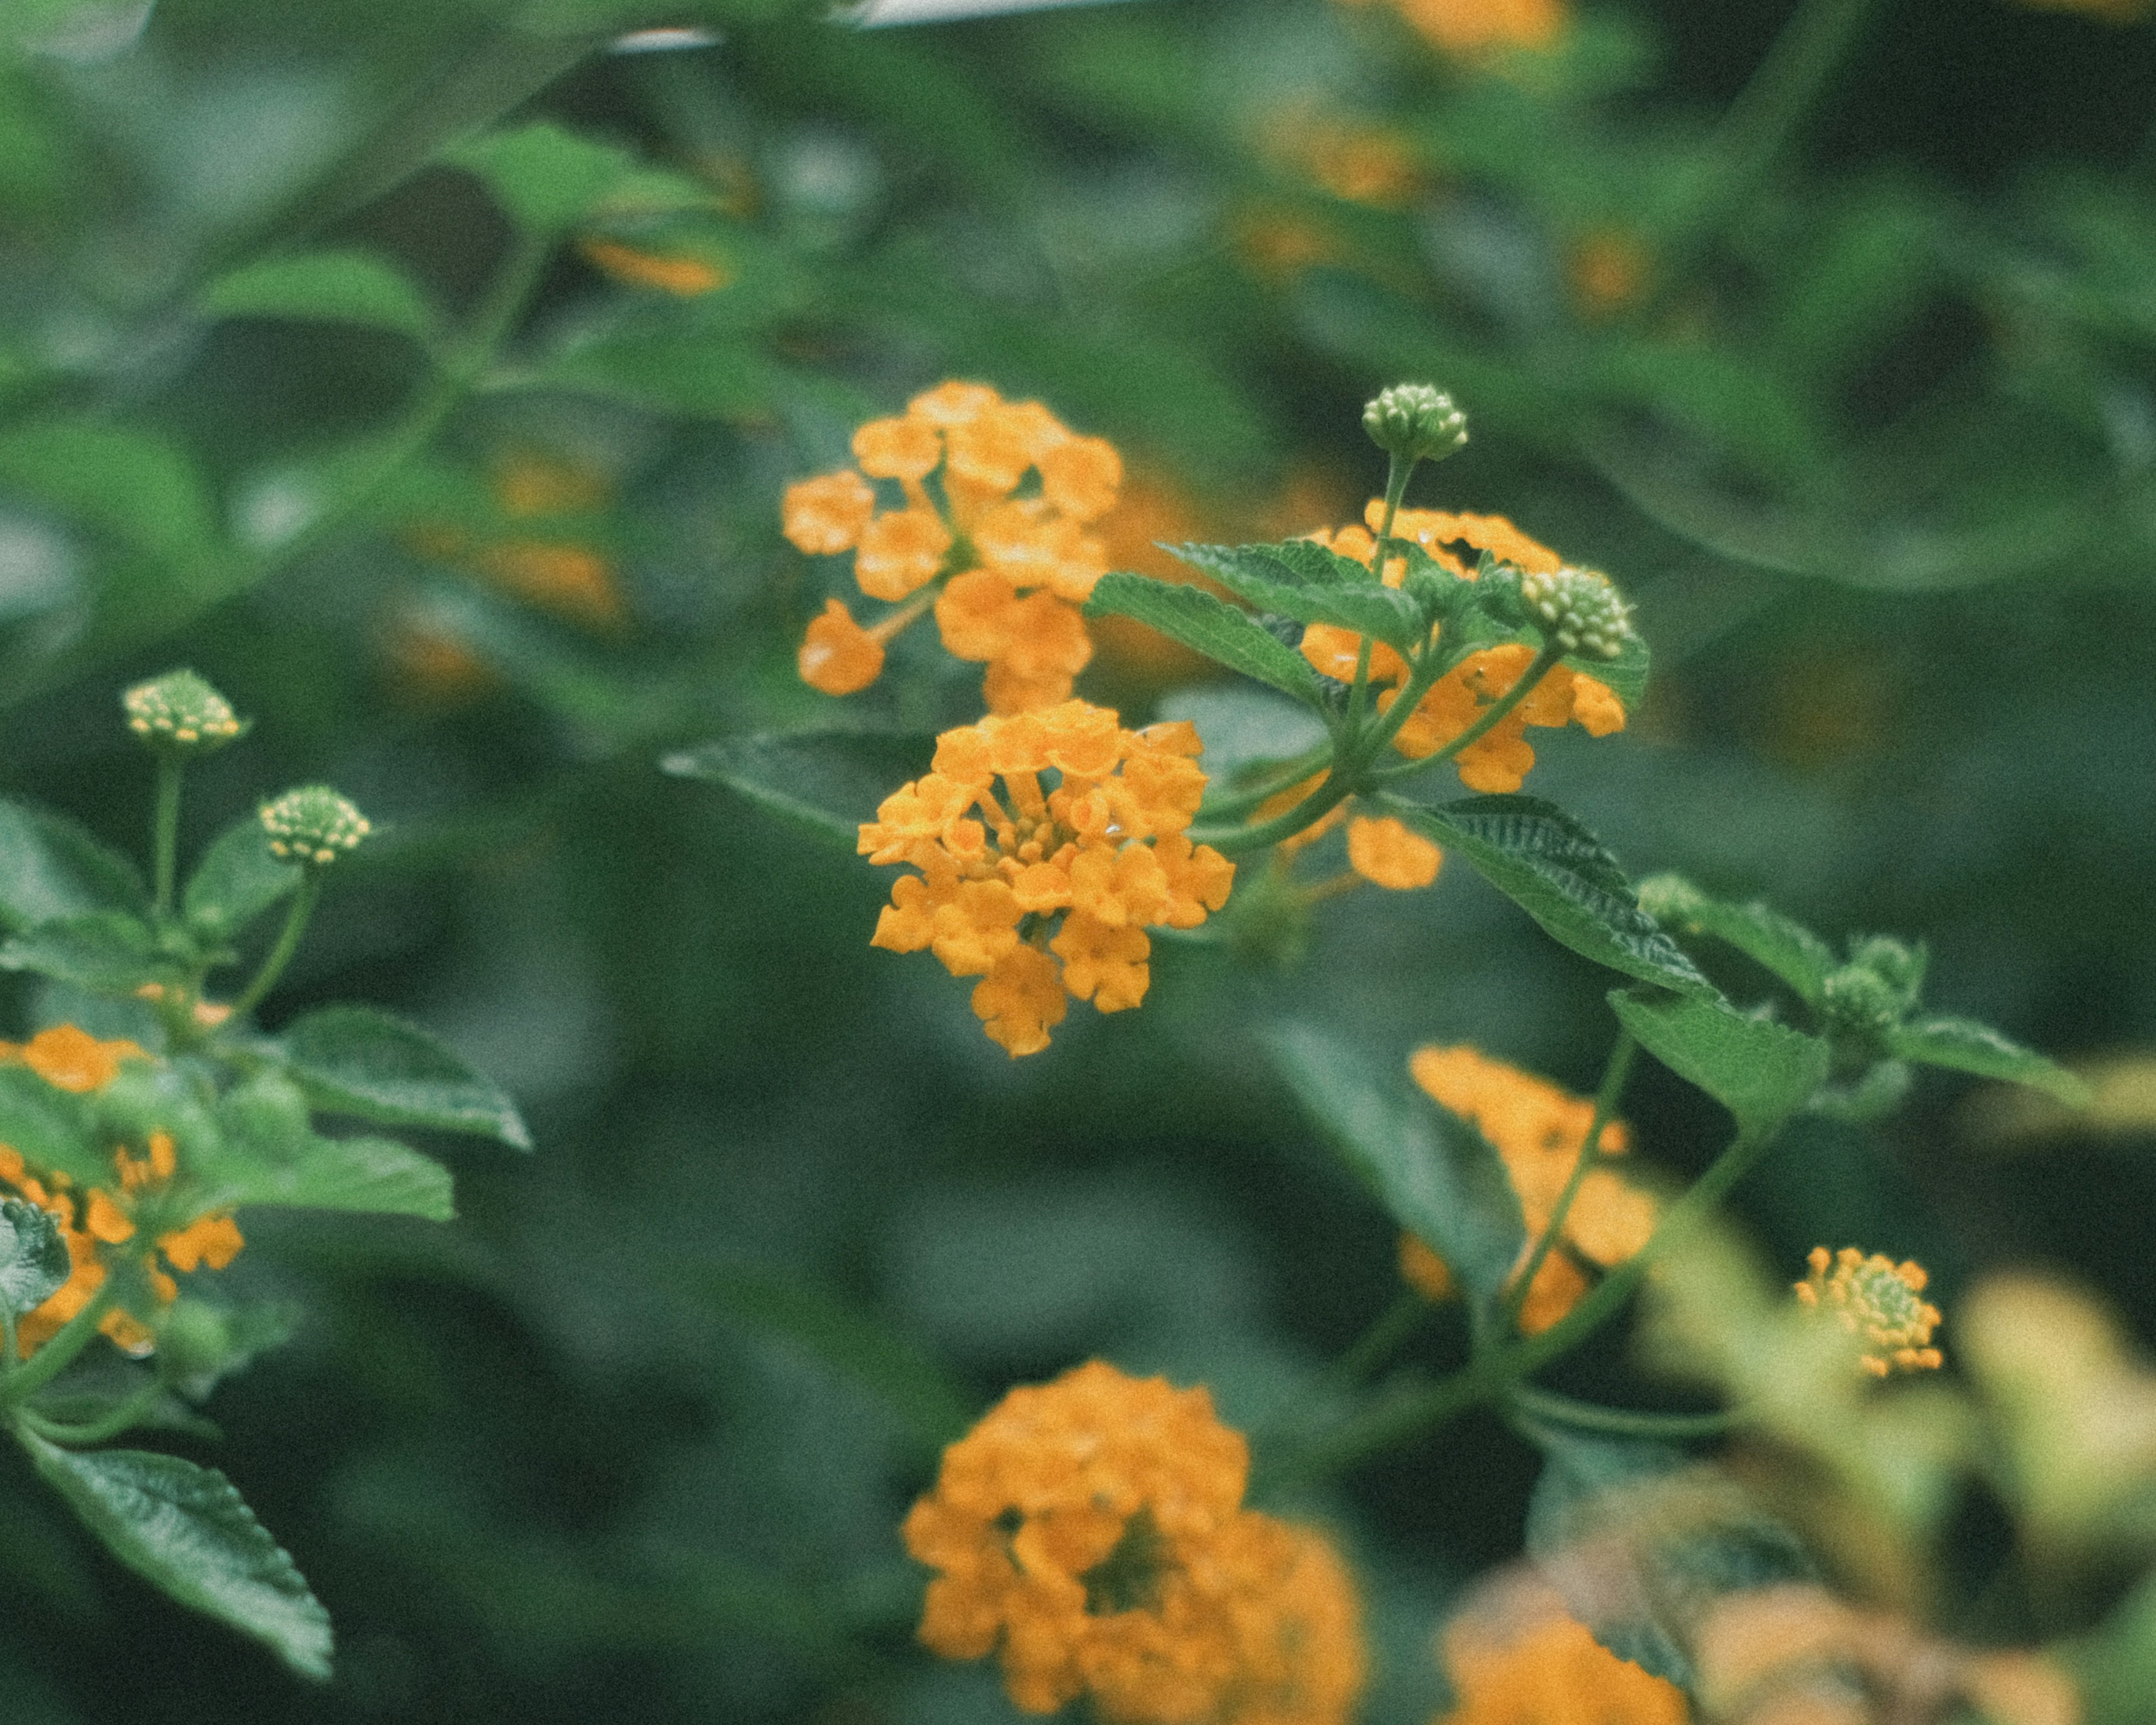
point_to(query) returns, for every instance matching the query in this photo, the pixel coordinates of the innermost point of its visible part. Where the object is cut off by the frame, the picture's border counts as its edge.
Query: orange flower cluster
(1500, 758)
(992, 533)
(1473, 27)
(1539, 1131)
(1091, 1533)
(1876, 1300)
(1043, 892)
(72, 1060)
(1385, 850)
(1537, 1664)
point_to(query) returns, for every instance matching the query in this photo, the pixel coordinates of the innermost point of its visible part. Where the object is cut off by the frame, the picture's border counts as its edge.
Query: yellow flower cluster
(1540, 1132)
(1091, 1534)
(991, 531)
(72, 1060)
(1876, 1300)
(1045, 892)
(1536, 1665)
(1500, 758)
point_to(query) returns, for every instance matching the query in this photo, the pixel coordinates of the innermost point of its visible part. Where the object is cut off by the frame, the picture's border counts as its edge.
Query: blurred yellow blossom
(1519, 1658)
(1874, 1301)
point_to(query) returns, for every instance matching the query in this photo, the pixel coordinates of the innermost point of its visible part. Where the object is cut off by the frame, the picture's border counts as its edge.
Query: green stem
(1614, 1072)
(58, 1352)
(121, 1418)
(1396, 474)
(1622, 1422)
(1492, 716)
(9, 1358)
(1276, 780)
(165, 829)
(1759, 125)
(1403, 1415)
(1234, 840)
(288, 942)
(1376, 1345)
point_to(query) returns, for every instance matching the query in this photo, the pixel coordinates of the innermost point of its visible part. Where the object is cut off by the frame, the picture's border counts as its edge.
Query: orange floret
(1090, 1532)
(1551, 1670)
(1426, 1271)
(1388, 853)
(1875, 1301)
(1538, 1130)
(838, 655)
(1074, 870)
(1000, 539)
(93, 1217)
(682, 273)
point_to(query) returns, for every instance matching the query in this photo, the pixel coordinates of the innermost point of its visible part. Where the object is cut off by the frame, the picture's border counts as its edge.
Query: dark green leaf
(1967, 1046)
(1642, 1545)
(1210, 625)
(1435, 1176)
(105, 953)
(852, 1343)
(236, 881)
(829, 781)
(327, 286)
(1262, 575)
(34, 1257)
(355, 1059)
(51, 867)
(140, 489)
(49, 1127)
(1762, 1072)
(1558, 873)
(185, 1530)
(1762, 933)
(376, 1175)
(546, 180)
(695, 374)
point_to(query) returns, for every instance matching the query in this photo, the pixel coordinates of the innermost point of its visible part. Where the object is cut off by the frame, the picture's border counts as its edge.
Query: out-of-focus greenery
(316, 375)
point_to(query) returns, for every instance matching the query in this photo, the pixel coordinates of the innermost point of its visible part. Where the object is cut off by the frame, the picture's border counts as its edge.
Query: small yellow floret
(682, 273)
(1875, 1301)
(1389, 853)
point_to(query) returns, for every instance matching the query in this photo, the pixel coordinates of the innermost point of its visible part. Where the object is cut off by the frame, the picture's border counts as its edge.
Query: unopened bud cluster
(1416, 421)
(313, 825)
(1580, 610)
(180, 712)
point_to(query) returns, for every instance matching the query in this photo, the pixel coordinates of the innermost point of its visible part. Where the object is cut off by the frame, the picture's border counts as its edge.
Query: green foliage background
(631, 1438)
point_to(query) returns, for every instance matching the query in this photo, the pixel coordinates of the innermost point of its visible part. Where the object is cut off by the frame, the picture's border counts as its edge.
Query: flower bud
(1415, 422)
(1857, 1000)
(1580, 610)
(313, 825)
(194, 1340)
(1899, 966)
(180, 714)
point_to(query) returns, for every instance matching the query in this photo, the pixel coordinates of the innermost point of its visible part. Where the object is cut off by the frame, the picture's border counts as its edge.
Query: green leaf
(34, 1264)
(854, 1344)
(52, 867)
(185, 1530)
(140, 489)
(546, 180)
(827, 782)
(105, 953)
(1435, 1176)
(357, 1060)
(379, 1176)
(1785, 949)
(327, 287)
(49, 1128)
(1761, 1071)
(1967, 1046)
(1312, 587)
(1558, 873)
(1642, 1544)
(1208, 624)
(697, 375)
(236, 881)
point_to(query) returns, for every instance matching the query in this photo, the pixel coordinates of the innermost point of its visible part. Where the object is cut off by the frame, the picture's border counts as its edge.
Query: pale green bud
(1580, 610)
(313, 825)
(179, 713)
(1416, 421)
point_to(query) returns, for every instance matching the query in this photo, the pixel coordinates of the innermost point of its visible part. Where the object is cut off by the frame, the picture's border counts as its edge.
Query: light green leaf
(185, 1530)
(379, 1176)
(1435, 1176)
(852, 1343)
(357, 1060)
(1783, 947)
(826, 781)
(1761, 1071)
(52, 867)
(1210, 625)
(1558, 873)
(140, 489)
(34, 1264)
(49, 1128)
(105, 952)
(546, 180)
(1312, 587)
(1967, 1046)
(326, 286)
(695, 374)
(236, 881)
